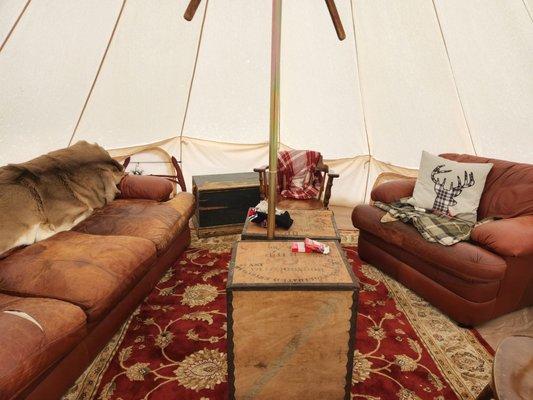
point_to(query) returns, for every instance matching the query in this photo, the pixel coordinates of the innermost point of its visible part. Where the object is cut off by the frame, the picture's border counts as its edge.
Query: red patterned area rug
(174, 344)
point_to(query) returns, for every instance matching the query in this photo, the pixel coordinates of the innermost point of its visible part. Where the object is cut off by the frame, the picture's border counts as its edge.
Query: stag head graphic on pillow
(445, 197)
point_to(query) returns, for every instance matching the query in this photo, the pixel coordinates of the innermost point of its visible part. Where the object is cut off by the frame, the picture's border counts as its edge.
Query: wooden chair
(320, 202)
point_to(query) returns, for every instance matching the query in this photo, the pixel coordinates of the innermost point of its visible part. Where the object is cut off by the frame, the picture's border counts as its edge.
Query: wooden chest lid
(317, 224)
(226, 181)
(271, 264)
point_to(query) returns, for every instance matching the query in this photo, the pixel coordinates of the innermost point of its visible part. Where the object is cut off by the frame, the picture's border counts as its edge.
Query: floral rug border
(87, 384)
(467, 369)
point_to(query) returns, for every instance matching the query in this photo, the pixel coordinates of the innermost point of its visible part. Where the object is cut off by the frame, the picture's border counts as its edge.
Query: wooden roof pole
(337, 23)
(274, 117)
(191, 9)
(274, 103)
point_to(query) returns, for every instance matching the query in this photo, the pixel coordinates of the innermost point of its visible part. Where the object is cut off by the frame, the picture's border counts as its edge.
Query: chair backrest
(508, 189)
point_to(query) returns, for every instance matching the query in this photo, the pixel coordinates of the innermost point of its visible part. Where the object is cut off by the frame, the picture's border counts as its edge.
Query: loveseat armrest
(391, 191)
(506, 237)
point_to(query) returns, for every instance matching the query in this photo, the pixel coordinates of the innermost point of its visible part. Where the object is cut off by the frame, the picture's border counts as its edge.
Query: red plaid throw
(297, 174)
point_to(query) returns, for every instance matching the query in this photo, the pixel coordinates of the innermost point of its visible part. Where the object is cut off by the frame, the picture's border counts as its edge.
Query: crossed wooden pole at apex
(332, 8)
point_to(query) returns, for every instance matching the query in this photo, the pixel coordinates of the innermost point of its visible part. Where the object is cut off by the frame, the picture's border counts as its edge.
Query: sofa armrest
(392, 191)
(184, 203)
(506, 237)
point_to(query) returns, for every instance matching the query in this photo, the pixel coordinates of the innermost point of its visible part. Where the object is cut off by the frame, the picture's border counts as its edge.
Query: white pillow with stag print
(449, 187)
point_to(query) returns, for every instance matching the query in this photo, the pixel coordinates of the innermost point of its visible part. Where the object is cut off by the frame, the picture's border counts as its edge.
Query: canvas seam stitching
(454, 78)
(193, 75)
(9, 34)
(111, 37)
(367, 136)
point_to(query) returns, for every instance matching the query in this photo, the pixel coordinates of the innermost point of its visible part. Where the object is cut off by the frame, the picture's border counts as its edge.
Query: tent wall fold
(201, 157)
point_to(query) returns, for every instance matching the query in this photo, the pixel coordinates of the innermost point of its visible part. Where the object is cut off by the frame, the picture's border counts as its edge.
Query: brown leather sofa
(473, 281)
(77, 287)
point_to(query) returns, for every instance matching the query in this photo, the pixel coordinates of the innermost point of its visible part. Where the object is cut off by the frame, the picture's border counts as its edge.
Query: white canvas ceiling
(411, 75)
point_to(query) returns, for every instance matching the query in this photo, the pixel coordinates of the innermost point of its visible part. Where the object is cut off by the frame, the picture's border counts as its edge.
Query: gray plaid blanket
(433, 227)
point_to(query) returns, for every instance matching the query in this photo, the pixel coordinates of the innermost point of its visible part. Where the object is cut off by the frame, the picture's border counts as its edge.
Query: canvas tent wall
(132, 75)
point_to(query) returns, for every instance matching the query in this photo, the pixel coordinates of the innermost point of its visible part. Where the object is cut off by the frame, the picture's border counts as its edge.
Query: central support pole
(274, 116)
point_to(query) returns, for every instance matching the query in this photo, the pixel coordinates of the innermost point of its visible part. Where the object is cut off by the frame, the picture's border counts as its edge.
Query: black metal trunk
(223, 201)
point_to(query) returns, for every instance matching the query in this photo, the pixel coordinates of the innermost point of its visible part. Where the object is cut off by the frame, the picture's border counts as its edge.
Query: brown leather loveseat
(62, 299)
(472, 281)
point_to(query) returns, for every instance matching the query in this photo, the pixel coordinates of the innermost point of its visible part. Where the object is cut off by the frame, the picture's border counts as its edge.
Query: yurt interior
(266, 199)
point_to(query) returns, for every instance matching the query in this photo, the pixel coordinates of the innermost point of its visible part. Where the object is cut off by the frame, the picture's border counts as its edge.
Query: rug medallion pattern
(174, 344)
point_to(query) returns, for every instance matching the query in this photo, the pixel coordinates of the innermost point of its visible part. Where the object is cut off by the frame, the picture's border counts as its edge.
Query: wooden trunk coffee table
(291, 322)
(313, 224)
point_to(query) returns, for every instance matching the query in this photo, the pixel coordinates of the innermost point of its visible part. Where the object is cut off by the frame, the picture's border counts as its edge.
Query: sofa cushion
(462, 260)
(41, 332)
(145, 187)
(148, 219)
(93, 272)
(508, 189)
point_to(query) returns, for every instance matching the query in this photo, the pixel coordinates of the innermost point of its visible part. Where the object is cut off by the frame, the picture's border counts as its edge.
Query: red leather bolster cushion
(392, 191)
(506, 237)
(145, 187)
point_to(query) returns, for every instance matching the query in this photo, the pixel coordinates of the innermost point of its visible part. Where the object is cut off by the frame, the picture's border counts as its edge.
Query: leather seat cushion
(463, 260)
(404, 267)
(28, 349)
(91, 271)
(148, 219)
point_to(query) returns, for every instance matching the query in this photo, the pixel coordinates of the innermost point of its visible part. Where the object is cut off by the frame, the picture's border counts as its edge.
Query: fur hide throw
(54, 192)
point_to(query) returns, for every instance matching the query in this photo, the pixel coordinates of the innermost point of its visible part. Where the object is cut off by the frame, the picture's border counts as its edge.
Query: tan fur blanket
(54, 192)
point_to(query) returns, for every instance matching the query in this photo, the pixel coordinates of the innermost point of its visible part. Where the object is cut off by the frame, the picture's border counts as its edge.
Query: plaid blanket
(297, 174)
(436, 228)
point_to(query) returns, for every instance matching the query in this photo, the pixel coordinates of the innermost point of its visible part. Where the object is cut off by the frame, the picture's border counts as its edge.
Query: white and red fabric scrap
(309, 246)
(298, 177)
